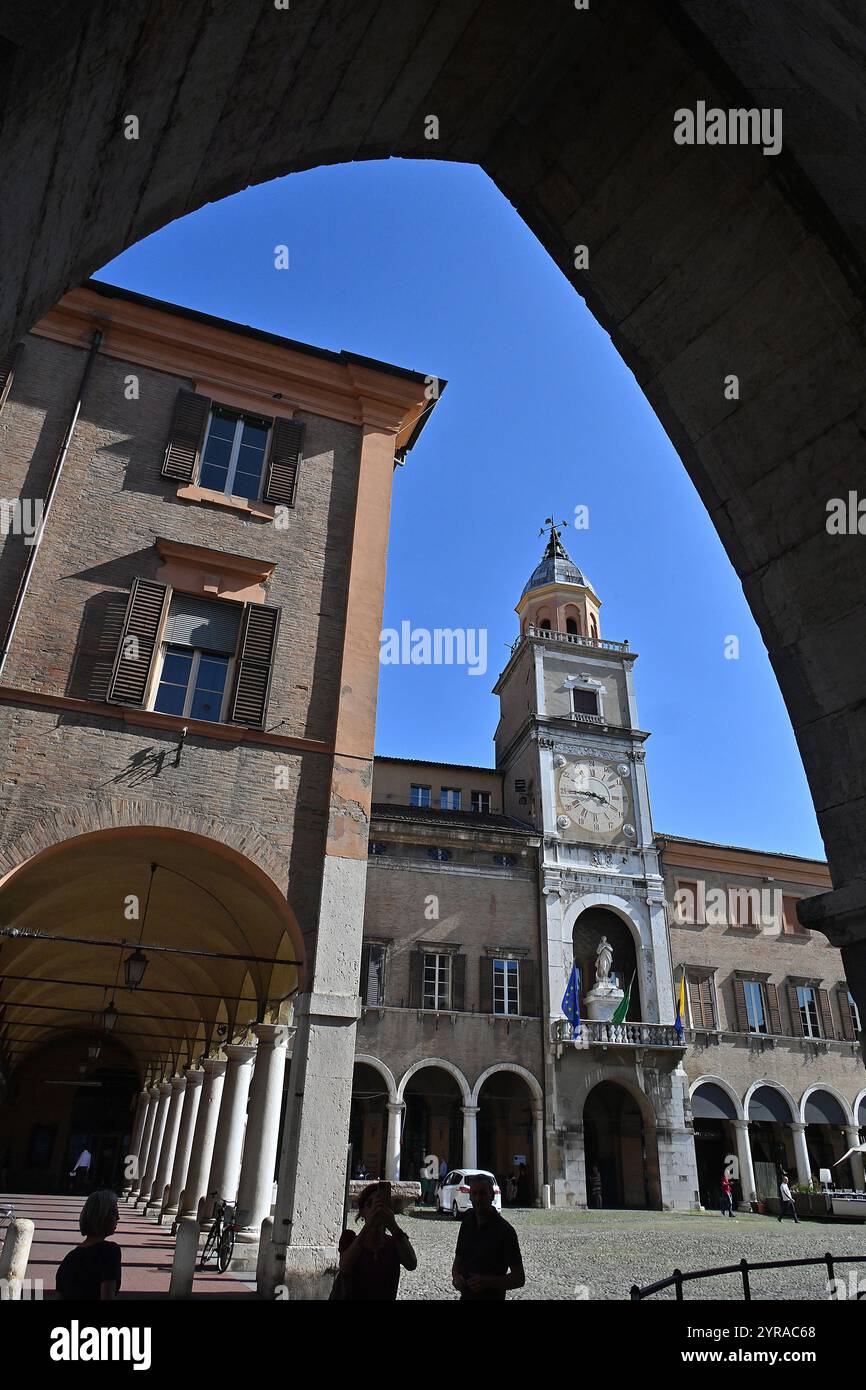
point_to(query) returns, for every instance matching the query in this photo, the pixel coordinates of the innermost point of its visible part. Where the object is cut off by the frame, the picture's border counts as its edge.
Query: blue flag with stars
(571, 1001)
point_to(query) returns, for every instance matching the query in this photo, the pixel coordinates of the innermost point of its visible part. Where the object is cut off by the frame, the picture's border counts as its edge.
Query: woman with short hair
(370, 1263)
(91, 1272)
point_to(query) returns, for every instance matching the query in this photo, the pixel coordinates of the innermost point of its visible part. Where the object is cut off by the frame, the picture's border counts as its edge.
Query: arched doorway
(368, 1122)
(506, 1135)
(616, 1143)
(589, 928)
(713, 1114)
(433, 1120)
(826, 1138)
(770, 1118)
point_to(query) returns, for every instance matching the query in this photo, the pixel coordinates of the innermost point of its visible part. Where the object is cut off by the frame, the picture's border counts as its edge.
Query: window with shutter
(827, 1028)
(187, 428)
(775, 1013)
(846, 1015)
(198, 649)
(234, 453)
(284, 462)
(373, 974)
(137, 647)
(485, 984)
(416, 972)
(7, 372)
(255, 665)
(458, 982)
(740, 1006)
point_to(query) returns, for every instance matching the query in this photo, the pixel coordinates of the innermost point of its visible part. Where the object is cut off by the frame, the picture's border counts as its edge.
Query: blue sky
(426, 265)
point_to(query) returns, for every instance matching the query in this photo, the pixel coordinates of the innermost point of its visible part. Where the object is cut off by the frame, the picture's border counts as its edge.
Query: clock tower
(571, 752)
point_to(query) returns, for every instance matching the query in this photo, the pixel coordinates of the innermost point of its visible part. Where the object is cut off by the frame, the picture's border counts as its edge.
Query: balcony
(570, 639)
(616, 1035)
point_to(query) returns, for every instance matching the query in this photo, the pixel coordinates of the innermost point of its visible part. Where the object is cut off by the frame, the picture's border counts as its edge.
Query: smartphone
(383, 1189)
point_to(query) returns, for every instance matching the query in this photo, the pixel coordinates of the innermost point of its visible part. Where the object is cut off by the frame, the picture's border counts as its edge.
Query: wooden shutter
(255, 664)
(700, 1001)
(485, 984)
(7, 372)
(849, 1032)
(416, 971)
(528, 988)
(775, 1016)
(187, 431)
(740, 1009)
(284, 461)
(458, 983)
(709, 1013)
(365, 972)
(137, 645)
(794, 1009)
(827, 1028)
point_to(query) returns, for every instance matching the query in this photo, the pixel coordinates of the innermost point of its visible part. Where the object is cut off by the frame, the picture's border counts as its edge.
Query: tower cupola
(558, 596)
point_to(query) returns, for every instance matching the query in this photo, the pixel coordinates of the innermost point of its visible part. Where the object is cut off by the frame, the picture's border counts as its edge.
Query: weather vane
(551, 525)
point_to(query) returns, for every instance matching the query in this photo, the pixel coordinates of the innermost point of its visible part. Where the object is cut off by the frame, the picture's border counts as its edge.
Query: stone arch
(723, 1085)
(773, 1086)
(620, 906)
(642, 1100)
(465, 1089)
(860, 1099)
(830, 1091)
(527, 1076)
(367, 1060)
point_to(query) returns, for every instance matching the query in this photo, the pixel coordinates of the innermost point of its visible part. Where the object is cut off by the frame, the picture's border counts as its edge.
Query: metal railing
(594, 1033)
(744, 1269)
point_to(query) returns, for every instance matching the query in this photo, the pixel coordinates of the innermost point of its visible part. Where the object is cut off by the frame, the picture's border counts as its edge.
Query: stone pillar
(169, 1143)
(801, 1152)
(228, 1145)
(146, 1136)
(183, 1149)
(470, 1137)
(538, 1148)
(744, 1161)
(135, 1140)
(155, 1142)
(256, 1183)
(195, 1186)
(392, 1146)
(852, 1135)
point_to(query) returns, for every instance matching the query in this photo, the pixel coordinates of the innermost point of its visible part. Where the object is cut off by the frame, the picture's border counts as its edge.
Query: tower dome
(558, 596)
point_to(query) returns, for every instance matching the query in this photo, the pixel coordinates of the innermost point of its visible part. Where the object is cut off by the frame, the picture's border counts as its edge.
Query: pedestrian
(595, 1189)
(487, 1261)
(511, 1189)
(81, 1170)
(522, 1186)
(787, 1199)
(92, 1270)
(429, 1176)
(370, 1263)
(727, 1196)
(443, 1173)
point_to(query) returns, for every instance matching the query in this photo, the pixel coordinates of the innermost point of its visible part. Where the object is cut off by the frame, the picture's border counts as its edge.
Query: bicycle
(221, 1238)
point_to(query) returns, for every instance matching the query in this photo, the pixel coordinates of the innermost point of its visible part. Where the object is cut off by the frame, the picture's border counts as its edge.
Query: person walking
(81, 1170)
(595, 1190)
(727, 1196)
(443, 1173)
(92, 1270)
(487, 1261)
(787, 1199)
(370, 1263)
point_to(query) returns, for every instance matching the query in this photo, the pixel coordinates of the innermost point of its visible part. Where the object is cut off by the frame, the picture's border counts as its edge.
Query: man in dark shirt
(487, 1261)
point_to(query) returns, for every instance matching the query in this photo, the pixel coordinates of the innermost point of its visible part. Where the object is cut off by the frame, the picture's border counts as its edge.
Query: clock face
(593, 796)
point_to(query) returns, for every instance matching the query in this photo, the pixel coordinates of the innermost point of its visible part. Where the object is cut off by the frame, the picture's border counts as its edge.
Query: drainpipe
(52, 488)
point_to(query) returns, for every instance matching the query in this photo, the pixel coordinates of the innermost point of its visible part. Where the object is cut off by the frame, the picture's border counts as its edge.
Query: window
(756, 1009)
(449, 799)
(686, 902)
(436, 990)
(440, 855)
(744, 906)
(198, 651)
(373, 974)
(505, 861)
(855, 1012)
(506, 989)
(593, 628)
(700, 999)
(807, 1003)
(571, 626)
(790, 921)
(481, 802)
(233, 457)
(584, 701)
(376, 847)
(419, 796)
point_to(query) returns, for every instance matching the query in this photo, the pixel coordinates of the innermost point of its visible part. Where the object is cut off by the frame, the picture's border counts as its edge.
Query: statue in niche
(603, 962)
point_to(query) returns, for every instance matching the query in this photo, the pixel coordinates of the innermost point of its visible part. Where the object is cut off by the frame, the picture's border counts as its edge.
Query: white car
(453, 1196)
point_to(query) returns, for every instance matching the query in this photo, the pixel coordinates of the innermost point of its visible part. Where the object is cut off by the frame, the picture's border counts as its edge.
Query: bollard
(185, 1257)
(545, 1196)
(14, 1257)
(263, 1257)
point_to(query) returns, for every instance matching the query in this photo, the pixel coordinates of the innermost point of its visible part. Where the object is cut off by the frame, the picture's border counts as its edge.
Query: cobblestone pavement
(607, 1252)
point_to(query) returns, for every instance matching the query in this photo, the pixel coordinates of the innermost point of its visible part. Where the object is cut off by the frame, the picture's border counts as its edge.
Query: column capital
(798, 1126)
(470, 1109)
(194, 1077)
(177, 1082)
(154, 1091)
(271, 1034)
(740, 1123)
(396, 1107)
(214, 1066)
(165, 1087)
(239, 1052)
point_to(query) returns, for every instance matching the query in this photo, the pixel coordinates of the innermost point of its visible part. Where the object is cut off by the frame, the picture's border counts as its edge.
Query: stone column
(470, 1137)
(169, 1142)
(538, 1148)
(135, 1140)
(744, 1161)
(155, 1142)
(852, 1135)
(195, 1186)
(392, 1143)
(146, 1136)
(228, 1145)
(801, 1152)
(256, 1183)
(183, 1149)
